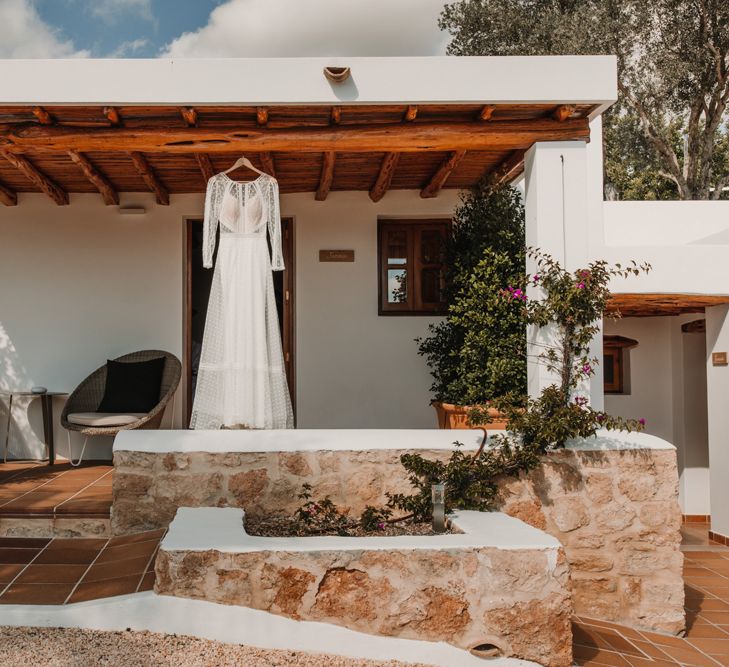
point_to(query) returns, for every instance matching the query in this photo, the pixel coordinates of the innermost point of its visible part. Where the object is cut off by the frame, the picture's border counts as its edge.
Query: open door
(198, 281)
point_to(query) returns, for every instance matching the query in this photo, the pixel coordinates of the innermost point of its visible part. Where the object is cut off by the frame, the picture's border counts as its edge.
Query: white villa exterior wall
(84, 283)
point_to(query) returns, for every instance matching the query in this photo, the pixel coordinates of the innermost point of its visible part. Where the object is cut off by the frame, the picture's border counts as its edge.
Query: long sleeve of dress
(213, 198)
(274, 225)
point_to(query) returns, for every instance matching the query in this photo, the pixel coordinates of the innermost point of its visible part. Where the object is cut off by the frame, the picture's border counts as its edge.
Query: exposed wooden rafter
(486, 112)
(100, 182)
(206, 166)
(441, 176)
(414, 137)
(563, 112)
(189, 115)
(656, 304)
(336, 115)
(411, 113)
(262, 115)
(384, 177)
(112, 115)
(269, 166)
(7, 196)
(327, 176)
(510, 168)
(150, 178)
(33, 174)
(44, 118)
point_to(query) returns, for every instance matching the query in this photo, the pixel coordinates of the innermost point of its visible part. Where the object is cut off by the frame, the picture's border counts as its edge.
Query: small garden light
(438, 495)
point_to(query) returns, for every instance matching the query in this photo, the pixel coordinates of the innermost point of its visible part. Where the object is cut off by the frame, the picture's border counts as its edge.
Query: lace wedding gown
(241, 379)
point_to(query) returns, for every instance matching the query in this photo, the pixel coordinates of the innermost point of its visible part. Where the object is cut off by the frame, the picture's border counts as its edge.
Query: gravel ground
(61, 647)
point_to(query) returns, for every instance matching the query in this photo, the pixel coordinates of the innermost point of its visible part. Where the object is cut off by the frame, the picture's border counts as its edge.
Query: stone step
(497, 582)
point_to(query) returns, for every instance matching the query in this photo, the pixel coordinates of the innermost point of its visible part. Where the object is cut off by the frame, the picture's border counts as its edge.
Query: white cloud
(112, 11)
(129, 48)
(266, 28)
(23, 34)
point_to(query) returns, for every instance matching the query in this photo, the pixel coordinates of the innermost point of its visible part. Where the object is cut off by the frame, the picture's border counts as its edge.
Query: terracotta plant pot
(456, 416)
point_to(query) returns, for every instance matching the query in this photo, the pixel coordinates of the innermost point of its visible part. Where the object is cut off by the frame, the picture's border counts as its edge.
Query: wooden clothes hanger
(243, 161)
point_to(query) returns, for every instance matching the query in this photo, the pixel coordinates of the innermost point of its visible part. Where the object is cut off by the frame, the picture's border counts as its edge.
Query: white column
(717, 399)
(559, 192)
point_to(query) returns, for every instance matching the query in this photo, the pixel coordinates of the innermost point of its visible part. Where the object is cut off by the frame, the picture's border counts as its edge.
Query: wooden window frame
(615, 347)
(414, 265)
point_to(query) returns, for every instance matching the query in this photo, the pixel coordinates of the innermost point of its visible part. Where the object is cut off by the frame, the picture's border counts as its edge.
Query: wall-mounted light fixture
(132, 210)
(337, 74)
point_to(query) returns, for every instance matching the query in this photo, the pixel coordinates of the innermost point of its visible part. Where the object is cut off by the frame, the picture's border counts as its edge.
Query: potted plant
(477, 353)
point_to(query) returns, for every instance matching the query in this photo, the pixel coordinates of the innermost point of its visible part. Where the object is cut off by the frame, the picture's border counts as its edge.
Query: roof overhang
(239, 81)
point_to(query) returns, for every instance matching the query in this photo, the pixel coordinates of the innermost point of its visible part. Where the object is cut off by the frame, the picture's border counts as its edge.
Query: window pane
(608, 369)
(397, 285)
(430, 286)
(397, 248)
(431, 245)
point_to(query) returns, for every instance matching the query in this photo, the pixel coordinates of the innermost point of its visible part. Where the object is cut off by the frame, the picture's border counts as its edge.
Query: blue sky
(219, 28)
(131, 29)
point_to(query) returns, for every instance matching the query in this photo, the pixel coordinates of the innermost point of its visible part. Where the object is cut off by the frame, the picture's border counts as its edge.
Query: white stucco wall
(83, 283)
(667, 379)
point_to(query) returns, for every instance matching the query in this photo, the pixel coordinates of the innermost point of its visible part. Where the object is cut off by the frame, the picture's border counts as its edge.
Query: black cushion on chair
(132, 386)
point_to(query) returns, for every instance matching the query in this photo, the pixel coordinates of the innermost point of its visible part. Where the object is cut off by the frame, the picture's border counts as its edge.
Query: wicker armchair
(87, 397)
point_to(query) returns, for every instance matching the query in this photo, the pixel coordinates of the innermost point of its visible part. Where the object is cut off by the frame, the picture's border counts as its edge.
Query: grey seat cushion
(101, 419)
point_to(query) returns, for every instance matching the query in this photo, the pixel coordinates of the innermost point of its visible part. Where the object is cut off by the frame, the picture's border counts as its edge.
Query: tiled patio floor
(31, 488)
(59, 571)
(706, 577)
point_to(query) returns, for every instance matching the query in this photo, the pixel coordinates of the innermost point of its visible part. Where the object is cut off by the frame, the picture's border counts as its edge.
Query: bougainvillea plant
(572, 304)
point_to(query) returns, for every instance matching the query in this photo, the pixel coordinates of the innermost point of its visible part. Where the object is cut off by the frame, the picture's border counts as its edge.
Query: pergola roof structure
(415, 123)
(656, 305)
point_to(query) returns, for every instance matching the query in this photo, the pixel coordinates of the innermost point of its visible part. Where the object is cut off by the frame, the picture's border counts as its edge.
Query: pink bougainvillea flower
(580, 285)
(641, 421)
(380, 526)
(586, 369)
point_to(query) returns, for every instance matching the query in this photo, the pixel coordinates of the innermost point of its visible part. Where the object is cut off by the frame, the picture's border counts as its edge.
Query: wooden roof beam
(269, 166)
(150, 178)
(262, 115)
(33, 174)
(441, 176)
(189, 116)
(510, 168)
(411, 113)
(7, 196)
(100, 182)
(327, 176)
(486, 112)
(112, 115)
(336, 115)
(563, 112)
(206, 166)
(384, 177)
(397, 137)
(44, 118)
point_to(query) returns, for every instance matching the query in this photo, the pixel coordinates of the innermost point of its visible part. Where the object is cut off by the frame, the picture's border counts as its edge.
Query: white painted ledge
(313, 440)
(238, 625)
(221, 529)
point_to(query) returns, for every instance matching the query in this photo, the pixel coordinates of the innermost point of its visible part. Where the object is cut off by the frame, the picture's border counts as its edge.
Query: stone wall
(616, 512)
(514, 598)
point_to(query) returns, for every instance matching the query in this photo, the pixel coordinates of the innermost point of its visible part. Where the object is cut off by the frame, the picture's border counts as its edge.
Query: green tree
(667, 137)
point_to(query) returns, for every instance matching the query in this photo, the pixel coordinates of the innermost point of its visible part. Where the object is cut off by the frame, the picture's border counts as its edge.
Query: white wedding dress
(241, 380)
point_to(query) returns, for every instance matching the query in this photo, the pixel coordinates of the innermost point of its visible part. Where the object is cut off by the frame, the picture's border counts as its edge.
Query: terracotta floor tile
(713, 604)
(67, 556)
(722, 659)
(623, 646)
(8, 572)
(116, 569)
(689, 656)
(78, 543)
(706, 630)
(599, 657)
(663, 640)
(136, 537)
(644, 662)
(36, 594)
(587, 638)
(17, 556)
(713, 646)
(650, 650)
(24, 542)
(104, 589)
(123, 551)
(147, 582)
(718, 617)
(51, 574)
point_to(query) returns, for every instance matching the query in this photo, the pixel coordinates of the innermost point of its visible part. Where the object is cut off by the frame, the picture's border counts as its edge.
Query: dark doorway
(198, 281)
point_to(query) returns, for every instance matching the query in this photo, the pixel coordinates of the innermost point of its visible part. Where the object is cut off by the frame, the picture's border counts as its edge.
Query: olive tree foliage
(667, 137)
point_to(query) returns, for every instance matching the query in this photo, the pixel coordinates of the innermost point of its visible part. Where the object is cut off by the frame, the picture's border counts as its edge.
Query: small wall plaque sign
(719, 359)
(336, 255)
